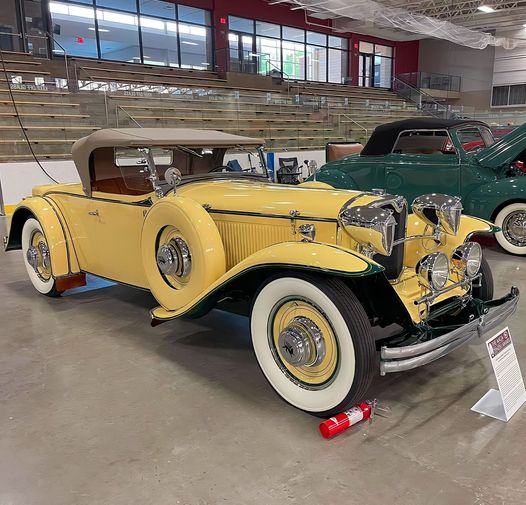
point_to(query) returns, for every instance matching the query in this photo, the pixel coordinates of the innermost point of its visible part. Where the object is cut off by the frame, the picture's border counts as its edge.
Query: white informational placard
(502, 404)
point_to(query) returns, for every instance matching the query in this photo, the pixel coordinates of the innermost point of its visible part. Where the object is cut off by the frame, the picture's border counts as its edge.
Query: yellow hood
(270, 199)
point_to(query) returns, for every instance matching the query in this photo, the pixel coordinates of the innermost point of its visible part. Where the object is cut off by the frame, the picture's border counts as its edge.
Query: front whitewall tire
(337, 392)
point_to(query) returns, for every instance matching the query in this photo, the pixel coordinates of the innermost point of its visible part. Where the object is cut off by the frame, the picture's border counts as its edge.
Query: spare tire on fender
(182, 251)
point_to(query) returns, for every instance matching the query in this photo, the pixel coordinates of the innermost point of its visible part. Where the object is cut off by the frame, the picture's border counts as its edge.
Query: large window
(153, 32)
(514, 95)
(375, 65)
(266, 48)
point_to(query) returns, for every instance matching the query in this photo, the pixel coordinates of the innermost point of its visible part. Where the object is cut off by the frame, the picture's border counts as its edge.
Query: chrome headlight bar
(433, 270)
(441, 211)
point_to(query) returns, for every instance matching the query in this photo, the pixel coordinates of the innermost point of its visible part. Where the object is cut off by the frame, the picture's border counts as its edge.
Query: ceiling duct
(401, 19)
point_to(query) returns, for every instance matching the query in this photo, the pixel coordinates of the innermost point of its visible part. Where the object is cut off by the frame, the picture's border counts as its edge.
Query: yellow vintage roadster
(191, 216)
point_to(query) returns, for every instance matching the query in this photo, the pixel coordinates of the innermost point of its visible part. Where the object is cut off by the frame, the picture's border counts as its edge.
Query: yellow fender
(63, 258)
(310, 256)
(193, 224)
(315, 184)
(416, 249)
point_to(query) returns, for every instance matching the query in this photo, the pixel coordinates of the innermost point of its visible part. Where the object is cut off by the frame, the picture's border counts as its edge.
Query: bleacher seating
(293, 115)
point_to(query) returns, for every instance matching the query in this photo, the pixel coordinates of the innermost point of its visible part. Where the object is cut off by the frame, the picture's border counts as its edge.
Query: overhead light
(485, 8)
(102, 30)
(189, 43)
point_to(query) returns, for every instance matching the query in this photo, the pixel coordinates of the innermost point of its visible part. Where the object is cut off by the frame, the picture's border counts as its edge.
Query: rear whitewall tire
(500, 221)
(44, 286)
(352, 330)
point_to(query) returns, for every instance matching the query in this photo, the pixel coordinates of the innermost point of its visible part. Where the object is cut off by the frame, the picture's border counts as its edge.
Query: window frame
(344, 52)
(209, 39)
(414, 130)
(361, 63)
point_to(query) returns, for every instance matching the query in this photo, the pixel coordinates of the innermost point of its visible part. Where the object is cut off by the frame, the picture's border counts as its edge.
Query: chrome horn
(372, 227)
(440, 211)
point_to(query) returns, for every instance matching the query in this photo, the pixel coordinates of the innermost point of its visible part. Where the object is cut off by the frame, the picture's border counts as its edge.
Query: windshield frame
(483, 130)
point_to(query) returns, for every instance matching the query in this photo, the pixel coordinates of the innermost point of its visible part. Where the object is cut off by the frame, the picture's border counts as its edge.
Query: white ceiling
(508, 16)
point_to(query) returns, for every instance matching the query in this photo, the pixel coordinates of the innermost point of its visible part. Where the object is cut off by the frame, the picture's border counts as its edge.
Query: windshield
(473, 138)
(237, 161)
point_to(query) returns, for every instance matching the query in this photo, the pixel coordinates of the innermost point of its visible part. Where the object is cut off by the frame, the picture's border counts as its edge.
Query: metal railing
(352, 120)
(423, 101)
(431, 80)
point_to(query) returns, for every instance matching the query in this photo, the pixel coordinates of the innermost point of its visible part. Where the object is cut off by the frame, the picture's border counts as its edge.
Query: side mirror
(173, 177)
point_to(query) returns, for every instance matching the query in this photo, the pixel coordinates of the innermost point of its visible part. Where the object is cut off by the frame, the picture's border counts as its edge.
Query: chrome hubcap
(38, 257)
(301, 343)
(44, 253)
(174, 258)
(514, 228)
(32, 258)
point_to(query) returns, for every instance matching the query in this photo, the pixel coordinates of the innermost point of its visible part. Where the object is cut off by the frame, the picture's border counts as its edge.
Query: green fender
(487, 199)
(333, 173)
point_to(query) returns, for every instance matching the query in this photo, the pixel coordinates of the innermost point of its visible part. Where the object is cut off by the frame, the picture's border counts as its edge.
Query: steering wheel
(222, 168)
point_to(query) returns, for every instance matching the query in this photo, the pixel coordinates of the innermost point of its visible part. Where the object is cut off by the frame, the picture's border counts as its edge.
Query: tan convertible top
(148, 137)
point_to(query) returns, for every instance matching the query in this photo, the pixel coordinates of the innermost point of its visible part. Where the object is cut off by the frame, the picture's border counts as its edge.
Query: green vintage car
(455, 157)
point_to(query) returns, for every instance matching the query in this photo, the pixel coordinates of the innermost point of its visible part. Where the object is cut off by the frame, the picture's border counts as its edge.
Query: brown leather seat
(338, 150)
(107, 177)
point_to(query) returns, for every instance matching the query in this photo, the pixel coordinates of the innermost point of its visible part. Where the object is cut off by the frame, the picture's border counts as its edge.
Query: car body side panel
(105, 232)
(485, 199)
(415, 174)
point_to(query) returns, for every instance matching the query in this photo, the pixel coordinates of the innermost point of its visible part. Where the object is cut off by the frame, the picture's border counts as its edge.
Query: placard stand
(502, 404)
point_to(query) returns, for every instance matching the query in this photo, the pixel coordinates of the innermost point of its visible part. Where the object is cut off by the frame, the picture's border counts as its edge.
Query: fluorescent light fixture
(101, 30)
(58, 8)
(485, 8)
(115, 17)
(71, 10)
(189, 43)
(152, 23)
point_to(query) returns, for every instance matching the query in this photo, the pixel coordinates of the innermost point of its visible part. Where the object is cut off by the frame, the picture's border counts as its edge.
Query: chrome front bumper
(398, 359)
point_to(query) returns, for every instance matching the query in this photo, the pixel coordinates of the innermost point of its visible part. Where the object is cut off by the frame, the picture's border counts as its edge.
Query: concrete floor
(97, 407)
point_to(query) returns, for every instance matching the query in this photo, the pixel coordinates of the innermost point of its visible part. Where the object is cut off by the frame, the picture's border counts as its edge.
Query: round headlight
(433, 270)
(467, 258)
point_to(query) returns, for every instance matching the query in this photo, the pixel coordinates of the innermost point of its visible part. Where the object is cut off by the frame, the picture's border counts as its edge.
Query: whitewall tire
(297, 312)
(512, 221)
(37, 259)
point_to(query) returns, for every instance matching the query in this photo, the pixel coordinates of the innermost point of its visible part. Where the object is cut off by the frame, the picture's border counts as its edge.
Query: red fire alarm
(80, 40)
(222, 21)
(356, 45)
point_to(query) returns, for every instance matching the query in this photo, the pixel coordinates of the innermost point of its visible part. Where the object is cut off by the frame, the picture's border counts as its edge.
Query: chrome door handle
(93, 212)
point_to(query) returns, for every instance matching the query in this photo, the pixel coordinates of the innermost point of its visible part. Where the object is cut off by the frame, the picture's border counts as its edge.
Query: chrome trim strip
(299, 217)
(398, 359)
(464, 284)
